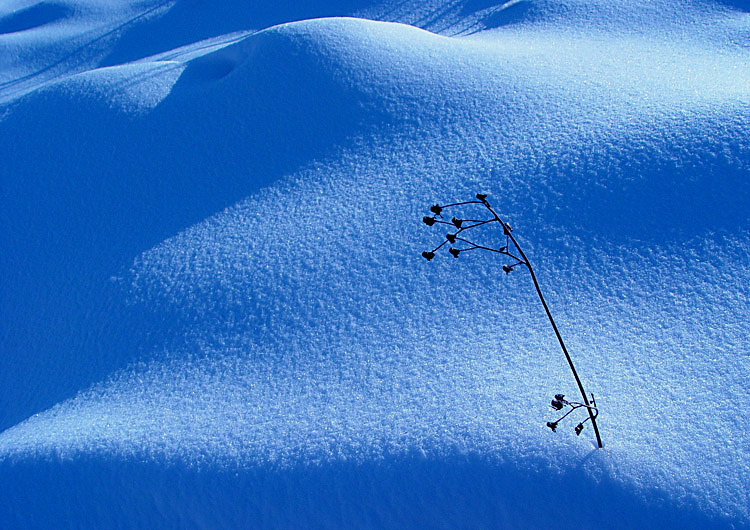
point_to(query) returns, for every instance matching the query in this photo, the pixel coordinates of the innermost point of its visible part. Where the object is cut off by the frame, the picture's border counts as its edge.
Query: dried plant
(516, 258)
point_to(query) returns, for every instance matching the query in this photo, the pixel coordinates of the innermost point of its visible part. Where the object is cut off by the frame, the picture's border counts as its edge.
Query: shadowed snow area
(215, 312)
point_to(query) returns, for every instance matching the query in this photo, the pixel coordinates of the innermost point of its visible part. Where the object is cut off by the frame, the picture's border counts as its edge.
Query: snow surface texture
(214, 309)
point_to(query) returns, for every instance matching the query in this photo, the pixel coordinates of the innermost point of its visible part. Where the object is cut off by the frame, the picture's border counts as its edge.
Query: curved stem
(567, 414)
(552, 321)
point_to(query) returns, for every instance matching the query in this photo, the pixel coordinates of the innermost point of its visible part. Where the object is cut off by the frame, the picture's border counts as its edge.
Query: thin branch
(523, 260)
(481, 246)
(460, 204)
(508, 233)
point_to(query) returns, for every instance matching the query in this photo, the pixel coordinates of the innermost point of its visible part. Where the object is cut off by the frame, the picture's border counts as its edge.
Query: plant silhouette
(518, 259)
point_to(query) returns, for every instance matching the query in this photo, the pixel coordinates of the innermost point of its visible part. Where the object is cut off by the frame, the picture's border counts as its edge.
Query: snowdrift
(215, 311)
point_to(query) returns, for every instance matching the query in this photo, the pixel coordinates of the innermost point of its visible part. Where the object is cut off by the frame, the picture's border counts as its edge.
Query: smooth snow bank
(721, 21)
(43, 41)
(280, 316)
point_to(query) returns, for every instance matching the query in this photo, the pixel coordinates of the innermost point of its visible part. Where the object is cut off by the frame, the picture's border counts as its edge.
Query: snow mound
(235, 225)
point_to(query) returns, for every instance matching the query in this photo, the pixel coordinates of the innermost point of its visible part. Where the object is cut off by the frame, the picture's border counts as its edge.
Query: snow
(213, 284)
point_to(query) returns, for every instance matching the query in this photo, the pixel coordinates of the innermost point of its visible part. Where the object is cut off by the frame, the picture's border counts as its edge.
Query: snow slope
(216, 315)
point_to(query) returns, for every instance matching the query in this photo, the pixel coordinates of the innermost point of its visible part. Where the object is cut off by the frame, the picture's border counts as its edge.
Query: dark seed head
(557, 405)
(451, 237)
(481, 196)
(507, 269)
(578, 429)
(552, 425)
(436, 209)
(428, 255)
(559, 397)
(429, 221)
(457, 222)
(454, 252)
